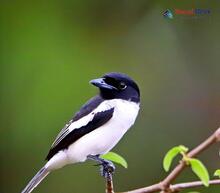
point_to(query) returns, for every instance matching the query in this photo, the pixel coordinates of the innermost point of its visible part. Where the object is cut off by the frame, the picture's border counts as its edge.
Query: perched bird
(96, 128)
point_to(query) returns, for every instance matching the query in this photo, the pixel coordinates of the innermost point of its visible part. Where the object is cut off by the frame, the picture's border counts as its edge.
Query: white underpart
(102, 139)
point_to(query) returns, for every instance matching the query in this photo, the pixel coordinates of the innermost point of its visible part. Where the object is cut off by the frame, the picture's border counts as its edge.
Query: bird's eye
(122, 86)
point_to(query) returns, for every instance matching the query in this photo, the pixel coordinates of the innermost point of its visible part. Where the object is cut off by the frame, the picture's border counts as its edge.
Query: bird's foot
(107, 167)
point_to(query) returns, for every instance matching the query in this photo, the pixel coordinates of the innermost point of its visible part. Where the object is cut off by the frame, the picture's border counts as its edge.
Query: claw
(107, 167)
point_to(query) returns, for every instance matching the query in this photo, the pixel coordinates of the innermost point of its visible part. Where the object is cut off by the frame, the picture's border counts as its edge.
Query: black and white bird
(96, 128)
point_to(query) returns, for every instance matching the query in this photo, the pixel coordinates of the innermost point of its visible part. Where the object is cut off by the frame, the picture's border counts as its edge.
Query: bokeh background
(49, 51)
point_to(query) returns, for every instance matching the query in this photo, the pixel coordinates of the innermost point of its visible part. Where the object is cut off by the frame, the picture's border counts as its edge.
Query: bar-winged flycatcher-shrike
(96, 128)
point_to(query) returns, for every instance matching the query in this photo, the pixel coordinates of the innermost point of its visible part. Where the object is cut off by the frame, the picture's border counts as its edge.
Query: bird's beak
(100, 83)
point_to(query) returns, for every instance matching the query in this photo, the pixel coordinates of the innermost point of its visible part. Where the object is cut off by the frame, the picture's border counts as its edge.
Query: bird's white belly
(104, 138)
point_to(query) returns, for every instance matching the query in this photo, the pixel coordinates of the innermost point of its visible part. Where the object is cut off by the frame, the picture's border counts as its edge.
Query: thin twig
(181, 186)
(165, 185)
(109, 183)
(173, 188)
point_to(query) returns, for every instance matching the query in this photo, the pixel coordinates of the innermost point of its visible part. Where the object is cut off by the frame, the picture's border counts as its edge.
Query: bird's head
(117, 86)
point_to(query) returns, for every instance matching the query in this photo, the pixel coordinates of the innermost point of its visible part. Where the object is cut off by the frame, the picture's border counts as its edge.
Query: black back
(88, 107)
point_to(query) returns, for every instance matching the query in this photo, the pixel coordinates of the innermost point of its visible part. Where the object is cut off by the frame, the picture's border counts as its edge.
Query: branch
(109, 183)
(181, 186)
(214, 138)
(165, 186)
(173, 188)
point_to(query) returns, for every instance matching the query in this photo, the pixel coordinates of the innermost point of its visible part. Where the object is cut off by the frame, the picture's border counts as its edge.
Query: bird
(96, 128)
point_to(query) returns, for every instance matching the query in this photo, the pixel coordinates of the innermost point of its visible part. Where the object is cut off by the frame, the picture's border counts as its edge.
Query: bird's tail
(36, 180)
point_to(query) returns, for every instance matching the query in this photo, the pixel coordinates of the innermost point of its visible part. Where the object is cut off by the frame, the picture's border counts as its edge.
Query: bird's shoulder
(88, 107)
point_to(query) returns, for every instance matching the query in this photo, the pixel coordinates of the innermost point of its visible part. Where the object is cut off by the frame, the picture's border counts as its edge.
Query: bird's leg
(107, 167)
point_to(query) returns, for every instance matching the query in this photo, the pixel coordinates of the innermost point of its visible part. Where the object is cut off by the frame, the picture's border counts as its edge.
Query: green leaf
(171, 154)
(200, 170)
(115, 158)
(217, 173)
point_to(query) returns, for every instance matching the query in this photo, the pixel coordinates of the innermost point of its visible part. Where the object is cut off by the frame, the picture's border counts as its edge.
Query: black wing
(85, 110)
(98, 120)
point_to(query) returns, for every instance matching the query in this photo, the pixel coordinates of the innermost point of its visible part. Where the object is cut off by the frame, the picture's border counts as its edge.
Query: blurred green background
(50, 50)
